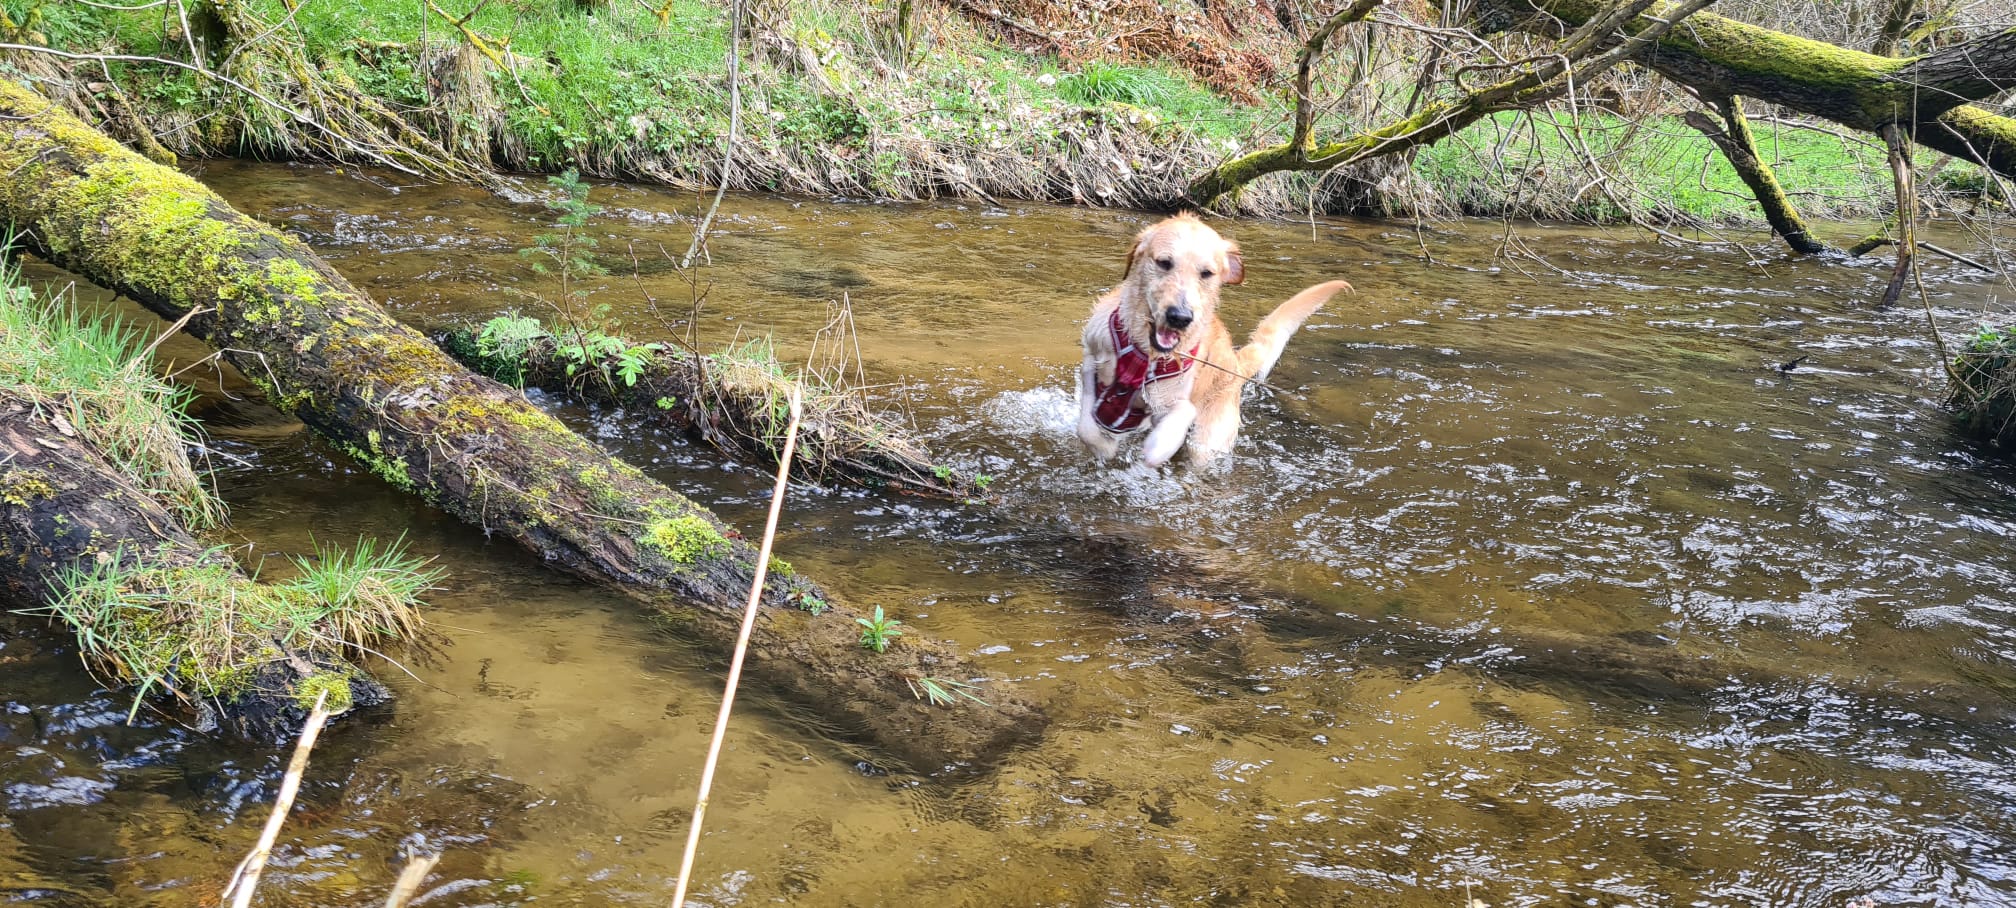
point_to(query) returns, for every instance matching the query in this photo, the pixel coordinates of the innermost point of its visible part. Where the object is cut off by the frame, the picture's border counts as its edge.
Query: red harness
(1114, 406)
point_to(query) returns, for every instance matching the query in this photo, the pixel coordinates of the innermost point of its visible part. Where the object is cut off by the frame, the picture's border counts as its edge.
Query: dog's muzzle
(1170, 332)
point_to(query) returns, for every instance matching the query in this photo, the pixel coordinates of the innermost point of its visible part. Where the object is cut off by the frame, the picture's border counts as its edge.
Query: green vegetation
(684, 539)
(363, 593)
(1984, 386)
(202, 629)
(1665, 169)
(331, 689)
(879, 631)
(848, 98)
(86, 371)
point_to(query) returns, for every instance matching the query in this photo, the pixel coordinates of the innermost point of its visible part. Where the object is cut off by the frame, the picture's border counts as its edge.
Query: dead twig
(246, 878)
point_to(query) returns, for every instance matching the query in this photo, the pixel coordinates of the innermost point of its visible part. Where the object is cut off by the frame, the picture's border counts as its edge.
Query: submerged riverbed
(1534, 584)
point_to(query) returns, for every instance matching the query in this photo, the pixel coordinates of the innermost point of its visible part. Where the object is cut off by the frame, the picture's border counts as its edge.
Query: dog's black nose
(1177, 317)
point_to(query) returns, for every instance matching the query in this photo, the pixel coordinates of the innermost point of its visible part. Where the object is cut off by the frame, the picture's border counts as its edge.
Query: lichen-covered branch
(327, 354)
(67, 514)
(1732, 135)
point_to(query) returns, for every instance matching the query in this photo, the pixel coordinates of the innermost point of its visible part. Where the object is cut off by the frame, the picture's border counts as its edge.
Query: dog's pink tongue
(1167, 339)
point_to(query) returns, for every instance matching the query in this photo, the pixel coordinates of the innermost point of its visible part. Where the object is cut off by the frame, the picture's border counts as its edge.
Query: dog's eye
(1164, 264)
(1206, 274)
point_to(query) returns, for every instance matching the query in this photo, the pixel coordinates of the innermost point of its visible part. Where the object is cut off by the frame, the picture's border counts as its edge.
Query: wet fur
(1181, 261)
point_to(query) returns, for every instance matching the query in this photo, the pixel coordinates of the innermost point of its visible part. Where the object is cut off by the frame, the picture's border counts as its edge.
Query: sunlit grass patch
(89, 372)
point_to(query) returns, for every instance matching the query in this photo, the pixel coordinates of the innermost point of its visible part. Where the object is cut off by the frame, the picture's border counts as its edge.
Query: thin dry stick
(246, 878)
(734, 126)
(410, 879)
(741, 650)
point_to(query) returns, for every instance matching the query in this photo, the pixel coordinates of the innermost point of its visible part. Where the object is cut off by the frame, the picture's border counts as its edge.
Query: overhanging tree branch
(1732, 135)
(1587, 53)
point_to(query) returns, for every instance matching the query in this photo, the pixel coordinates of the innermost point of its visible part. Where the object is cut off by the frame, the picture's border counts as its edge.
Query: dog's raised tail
(1263, 346)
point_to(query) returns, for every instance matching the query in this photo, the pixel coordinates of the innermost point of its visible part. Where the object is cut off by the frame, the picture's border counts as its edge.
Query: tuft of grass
(203, 629)
(89, 372)
(1100, 82)
(363, 594)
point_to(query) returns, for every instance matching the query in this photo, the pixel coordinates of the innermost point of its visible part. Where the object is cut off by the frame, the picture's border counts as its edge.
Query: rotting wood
(63, 506)
(324, 352)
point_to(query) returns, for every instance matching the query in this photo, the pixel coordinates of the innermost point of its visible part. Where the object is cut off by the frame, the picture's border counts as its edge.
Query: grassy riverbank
(864, 100)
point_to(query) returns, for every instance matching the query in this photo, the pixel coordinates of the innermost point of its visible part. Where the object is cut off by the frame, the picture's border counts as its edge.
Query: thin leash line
(1271, 387)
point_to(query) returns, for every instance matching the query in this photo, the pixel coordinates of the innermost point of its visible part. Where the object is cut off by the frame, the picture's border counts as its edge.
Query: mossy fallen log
(1717, 56)
(152, 607)
(324, 352)
(734, 401)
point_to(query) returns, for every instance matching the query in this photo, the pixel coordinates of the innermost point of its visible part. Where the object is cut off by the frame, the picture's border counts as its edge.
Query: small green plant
(504, 343)
(878, 632)
(813, 604)
(982, 481)
(942, 691)
(1099, 82)
(665, 403)
(944, 473)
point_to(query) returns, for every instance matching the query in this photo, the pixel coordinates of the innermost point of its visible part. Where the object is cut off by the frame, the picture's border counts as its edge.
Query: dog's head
(1174, 271)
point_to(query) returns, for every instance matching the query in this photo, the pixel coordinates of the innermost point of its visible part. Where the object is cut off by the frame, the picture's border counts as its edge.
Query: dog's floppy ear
(1138, 246)
(1235, 267)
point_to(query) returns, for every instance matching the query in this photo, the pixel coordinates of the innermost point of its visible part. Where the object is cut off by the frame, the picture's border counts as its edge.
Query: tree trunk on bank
(327, 354)
(64, 507)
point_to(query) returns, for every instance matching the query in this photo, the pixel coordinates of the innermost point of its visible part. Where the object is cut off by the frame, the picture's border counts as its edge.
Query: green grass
(612, 94)
(1667, 161)
(89, 372)
(204, 629)
(361, 594)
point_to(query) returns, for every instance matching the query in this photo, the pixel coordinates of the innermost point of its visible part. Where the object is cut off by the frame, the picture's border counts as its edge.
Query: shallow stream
(1531, 581)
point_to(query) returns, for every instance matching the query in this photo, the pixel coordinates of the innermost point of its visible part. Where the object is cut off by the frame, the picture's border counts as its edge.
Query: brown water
(1331, 673)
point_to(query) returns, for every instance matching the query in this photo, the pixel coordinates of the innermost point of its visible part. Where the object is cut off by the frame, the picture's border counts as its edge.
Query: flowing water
(1536, 584)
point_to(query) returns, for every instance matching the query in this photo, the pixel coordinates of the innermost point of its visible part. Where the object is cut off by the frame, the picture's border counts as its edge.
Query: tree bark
(1732, 136)
(63, 507)
(324, 352)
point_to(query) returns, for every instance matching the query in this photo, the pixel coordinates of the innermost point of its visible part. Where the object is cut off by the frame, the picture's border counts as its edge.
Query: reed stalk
(741, 650)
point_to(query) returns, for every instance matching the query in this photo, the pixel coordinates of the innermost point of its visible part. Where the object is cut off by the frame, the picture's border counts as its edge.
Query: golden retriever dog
(1156, 356)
